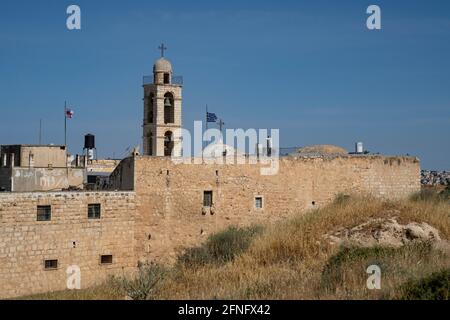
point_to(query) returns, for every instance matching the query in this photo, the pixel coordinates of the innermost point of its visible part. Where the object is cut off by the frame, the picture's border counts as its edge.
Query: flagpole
(65, 124)
(203, 143)
(40, 131)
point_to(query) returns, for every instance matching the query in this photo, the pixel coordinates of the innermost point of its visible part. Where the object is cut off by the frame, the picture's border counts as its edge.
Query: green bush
(143, 285)
(430, 194)
(220, 248)
(434, 287)
(445, 194)
(333, 274)
(337, 267)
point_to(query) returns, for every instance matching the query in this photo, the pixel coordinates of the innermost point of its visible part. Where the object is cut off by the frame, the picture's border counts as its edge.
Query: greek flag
(211, 117)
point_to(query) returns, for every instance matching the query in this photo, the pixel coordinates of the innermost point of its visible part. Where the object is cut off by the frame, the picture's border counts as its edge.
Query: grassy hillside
(293, 260)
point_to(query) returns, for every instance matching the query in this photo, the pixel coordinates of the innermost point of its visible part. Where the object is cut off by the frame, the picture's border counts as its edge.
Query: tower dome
(162, 65)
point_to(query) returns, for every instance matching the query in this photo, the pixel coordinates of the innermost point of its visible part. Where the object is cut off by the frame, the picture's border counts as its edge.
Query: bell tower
(162, 109)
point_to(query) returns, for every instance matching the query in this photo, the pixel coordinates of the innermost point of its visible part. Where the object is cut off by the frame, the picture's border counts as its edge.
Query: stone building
(26, 168)
(155, 206)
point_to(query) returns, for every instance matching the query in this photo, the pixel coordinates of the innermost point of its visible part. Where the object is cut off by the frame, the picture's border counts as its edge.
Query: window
(166, 78)
(50, 264)
(44, 213)
(258, 202)
(94, 211)
(207, 198)
(106, 259)
(168, 144)
(169, 108)
(92, 179)
(150, 108)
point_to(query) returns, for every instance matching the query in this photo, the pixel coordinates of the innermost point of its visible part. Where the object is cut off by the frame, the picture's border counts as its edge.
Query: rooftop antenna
(40, 131)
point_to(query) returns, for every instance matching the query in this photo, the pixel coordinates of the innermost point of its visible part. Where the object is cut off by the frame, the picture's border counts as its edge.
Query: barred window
(207, 198)
(50, 264)
(106, 259)
(44, 213)
(258, 202)
(94, 211)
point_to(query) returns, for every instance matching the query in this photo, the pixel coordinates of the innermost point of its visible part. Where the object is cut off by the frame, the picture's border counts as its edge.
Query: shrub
(341, 198)
(333, 274)
(431, 194)
(221, 247)
(143, 285)
(445, 194)
(391, 260)
(434, 287)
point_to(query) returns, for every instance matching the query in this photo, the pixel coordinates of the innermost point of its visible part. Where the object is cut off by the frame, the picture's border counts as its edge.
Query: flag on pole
(211, 117)
(69, 113)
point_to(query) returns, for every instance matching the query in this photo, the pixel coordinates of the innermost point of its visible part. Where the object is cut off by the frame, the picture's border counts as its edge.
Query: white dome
(162, 65)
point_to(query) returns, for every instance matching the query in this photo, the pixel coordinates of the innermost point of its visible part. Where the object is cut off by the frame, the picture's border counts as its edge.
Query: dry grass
(292, 260)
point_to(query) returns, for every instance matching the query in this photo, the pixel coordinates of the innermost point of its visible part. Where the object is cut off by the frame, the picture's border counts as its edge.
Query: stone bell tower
(162, 110)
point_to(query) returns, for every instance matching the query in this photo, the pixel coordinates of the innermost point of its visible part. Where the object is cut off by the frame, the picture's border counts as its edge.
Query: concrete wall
(43, 157)
(170, 213)
(123, 176)
(70, 237)
(36, 156)
(45, 179)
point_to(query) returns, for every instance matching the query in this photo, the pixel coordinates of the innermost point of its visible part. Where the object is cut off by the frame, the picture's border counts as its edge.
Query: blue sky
(310, 68)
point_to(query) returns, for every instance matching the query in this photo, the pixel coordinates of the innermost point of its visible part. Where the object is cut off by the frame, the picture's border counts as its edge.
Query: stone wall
(22, 179)
(165, 213)
(102, 165)
(70, 237)
(170, 212)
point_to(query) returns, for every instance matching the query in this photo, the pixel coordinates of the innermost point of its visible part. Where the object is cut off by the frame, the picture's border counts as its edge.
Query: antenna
(40, 131)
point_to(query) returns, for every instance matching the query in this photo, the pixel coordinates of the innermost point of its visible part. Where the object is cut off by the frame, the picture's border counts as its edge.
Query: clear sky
(309, 68)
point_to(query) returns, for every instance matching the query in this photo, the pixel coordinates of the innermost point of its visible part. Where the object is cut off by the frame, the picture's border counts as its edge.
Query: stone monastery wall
(160, 207)
(70, 238)
(170, 197)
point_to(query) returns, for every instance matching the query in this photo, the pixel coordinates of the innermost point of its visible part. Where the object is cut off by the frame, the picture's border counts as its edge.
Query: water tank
(359, 148)
(89, 141)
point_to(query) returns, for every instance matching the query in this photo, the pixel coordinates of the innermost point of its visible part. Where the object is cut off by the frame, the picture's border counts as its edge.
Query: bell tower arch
(162, 109)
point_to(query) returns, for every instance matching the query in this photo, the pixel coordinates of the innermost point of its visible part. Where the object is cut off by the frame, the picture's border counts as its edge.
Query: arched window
(168, 143)
(150, 109)
(169, 108)
(150, 144)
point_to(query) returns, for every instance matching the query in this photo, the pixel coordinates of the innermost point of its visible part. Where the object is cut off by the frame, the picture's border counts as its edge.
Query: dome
(322, 150)
(162, 65)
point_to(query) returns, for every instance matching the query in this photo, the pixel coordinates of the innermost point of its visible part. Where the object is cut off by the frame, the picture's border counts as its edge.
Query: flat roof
(34, 145)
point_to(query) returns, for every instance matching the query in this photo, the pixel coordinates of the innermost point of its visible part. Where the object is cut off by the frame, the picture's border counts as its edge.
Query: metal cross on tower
(162, 48)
